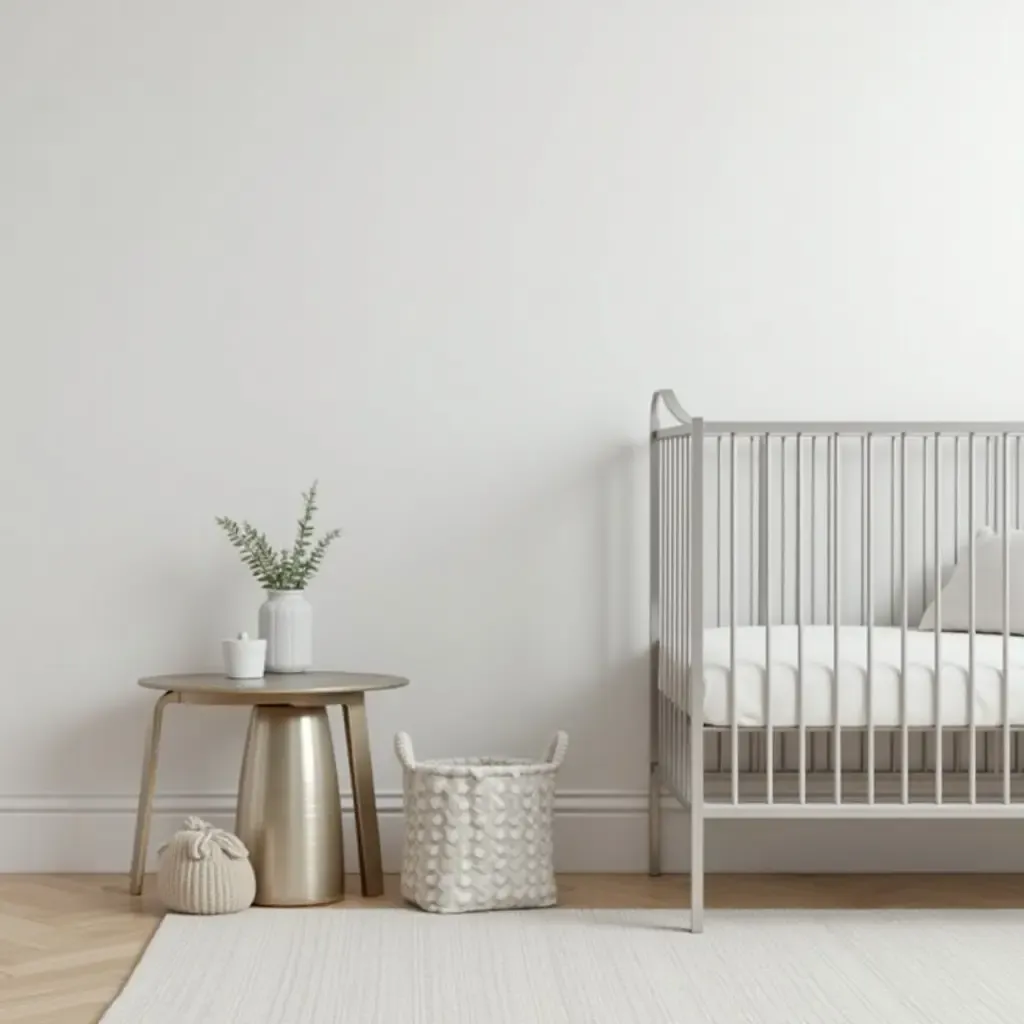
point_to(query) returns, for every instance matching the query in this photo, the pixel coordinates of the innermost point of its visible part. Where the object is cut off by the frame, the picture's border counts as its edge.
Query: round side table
(289, 808)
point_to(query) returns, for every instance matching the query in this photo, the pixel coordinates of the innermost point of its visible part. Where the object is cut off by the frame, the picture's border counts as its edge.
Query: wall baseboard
(595, 832)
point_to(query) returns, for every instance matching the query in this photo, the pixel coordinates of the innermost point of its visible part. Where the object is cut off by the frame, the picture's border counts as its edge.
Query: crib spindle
(863, 532)
(937, 677)
(869, 613)
(956, 500)
(782, 531)
(829, 540)
(1004, 520)
(752, 559)
(1017, 482)
(734, 732)
(997, 505)
(837, 734)
(801, 719)
(679, 598)
(685, 597)
(767, 591)
(924, 525)
(988, 481)
(892, 571)
(972, 751)
(814, 530)
(719, 484)
(686, 594)
(892, 536)
(904, 731)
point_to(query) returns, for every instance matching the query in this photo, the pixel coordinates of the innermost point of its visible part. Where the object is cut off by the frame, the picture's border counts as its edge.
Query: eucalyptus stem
(287, 568)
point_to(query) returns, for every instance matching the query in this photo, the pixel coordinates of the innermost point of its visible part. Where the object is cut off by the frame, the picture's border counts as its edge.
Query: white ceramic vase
(286, 623)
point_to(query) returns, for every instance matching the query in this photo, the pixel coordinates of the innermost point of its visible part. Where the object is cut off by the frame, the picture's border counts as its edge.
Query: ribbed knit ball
(205, 870)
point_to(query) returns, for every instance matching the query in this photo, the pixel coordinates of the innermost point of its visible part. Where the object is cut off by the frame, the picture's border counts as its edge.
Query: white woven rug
(580, 967)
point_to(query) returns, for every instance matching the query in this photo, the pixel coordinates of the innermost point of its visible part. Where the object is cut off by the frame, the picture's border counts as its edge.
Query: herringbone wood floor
(68, 942)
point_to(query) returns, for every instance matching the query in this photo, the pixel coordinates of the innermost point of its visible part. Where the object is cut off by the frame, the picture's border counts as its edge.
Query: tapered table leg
(363, 798)
(146, 790)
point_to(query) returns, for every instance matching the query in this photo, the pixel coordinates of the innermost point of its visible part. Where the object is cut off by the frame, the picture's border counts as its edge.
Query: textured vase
(286, 623)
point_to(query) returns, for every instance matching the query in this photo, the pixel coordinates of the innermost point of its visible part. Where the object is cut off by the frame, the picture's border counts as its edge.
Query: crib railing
(828, 524)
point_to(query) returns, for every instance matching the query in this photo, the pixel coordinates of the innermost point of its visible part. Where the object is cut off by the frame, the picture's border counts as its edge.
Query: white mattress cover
(853, 704)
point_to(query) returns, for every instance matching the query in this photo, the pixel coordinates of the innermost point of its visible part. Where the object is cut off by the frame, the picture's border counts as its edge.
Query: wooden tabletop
(298, 684)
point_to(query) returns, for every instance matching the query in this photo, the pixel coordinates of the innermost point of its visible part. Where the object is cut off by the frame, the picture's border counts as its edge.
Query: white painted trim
(93, 833)
(595, 830)
(168, 803)
(388, 802)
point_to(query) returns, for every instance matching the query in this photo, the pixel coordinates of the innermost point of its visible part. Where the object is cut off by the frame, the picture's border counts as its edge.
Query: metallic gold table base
(289, 807)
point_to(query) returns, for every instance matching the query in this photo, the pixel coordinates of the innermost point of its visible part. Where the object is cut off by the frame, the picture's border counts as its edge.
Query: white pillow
(988, 587)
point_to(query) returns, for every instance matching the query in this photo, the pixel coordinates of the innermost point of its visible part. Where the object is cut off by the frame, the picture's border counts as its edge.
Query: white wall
(439, 255)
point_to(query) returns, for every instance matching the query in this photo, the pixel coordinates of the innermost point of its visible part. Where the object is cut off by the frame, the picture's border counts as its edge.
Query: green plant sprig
(290, 568)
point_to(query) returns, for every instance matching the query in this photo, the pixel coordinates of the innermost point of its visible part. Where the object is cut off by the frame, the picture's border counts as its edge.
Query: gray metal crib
(790, 565)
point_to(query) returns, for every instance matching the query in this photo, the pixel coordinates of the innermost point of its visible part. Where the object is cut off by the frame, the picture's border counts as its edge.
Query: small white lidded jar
(244, 658)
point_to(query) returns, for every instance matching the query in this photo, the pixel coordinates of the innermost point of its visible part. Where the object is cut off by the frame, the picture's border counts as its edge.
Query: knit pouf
(478, 831)
(205, 870)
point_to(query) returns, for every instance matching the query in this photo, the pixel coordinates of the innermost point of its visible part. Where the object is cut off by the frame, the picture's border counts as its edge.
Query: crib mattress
(954, 678)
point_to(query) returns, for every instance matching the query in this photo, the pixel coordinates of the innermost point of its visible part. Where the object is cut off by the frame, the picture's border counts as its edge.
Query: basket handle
(557, 748)
(403, 748)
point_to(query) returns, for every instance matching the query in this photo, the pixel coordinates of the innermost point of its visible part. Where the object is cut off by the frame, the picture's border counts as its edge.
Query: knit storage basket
(478, 831)
(205, 870)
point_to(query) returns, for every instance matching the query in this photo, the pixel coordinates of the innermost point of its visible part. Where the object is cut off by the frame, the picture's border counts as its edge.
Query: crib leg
(696, 825)
(654, 822)
(696, 868)
(654, 781)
